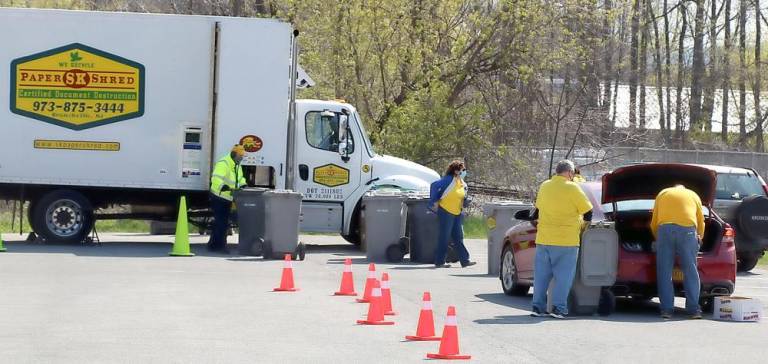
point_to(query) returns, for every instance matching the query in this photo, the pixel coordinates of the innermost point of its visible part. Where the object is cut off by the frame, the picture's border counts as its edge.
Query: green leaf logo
(75, 56)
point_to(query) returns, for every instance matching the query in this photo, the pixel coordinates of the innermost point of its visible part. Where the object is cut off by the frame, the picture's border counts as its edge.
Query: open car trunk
(633, 228)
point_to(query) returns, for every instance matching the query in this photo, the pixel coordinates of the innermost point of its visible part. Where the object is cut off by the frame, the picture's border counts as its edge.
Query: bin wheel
(266, 250)
(301, 252)
(405, 243)
(451, 255)
(607, 303)
(395, 253)
(257, 248)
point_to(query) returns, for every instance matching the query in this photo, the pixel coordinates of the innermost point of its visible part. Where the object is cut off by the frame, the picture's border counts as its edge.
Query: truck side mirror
(343, 128)
(343, 137)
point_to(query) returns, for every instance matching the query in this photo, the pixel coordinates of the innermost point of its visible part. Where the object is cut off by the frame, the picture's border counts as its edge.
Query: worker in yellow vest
(227, 177)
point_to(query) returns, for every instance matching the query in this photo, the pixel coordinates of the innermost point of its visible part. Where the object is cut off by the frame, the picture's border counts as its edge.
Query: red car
(626, 197)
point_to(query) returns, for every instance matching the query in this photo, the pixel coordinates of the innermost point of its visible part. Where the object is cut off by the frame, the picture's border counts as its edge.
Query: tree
(726, 72)
(651, 18)
(759, 143)
(643, 67)
(708, 103)
(743, 74)
(697, 74)
(633, 57)
(679, 119)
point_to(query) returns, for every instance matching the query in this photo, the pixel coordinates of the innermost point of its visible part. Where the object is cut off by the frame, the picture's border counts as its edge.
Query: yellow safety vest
(226, 173)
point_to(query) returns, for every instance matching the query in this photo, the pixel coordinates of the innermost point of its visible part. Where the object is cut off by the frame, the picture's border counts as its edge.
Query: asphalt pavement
(127, 301)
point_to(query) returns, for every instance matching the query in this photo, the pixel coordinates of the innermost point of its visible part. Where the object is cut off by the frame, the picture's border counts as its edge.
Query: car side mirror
(524, 215)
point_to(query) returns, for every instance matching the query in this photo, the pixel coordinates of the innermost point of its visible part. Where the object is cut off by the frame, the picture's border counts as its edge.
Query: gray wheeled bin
(382, 229)
(282, 213)
(250, 220)
(423, 231)
(500, 216)
(596, 271)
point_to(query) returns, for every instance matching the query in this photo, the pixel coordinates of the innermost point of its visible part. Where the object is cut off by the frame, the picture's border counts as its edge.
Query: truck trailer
(133, 110)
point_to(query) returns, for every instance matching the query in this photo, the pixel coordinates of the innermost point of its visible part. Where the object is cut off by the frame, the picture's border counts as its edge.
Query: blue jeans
(221, 212)
(558, 262)
(450, 225)
(681, 241)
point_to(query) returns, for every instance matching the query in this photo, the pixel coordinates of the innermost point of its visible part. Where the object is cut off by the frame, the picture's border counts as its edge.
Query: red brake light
(728, 236)
(765, 188)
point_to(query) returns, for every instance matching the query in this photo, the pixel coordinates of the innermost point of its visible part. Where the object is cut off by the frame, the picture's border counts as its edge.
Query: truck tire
(354, 227)
(63, 216)
(752, 217)
(745, 262)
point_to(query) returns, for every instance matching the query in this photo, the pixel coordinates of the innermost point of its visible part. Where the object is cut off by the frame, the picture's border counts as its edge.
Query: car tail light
(728, 236)
(765, 188)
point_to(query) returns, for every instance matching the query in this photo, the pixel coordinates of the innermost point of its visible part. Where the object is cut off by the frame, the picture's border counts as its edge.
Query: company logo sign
(331, 175)
(77, 87)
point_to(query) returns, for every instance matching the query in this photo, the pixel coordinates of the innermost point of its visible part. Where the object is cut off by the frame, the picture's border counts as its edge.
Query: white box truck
(102, 109)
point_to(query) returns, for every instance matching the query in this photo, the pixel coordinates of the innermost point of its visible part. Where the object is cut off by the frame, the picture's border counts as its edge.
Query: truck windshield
(366, 141)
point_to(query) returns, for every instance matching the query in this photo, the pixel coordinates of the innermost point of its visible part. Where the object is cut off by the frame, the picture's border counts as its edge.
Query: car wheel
(746, 262)
(509, 279)
(63, 216)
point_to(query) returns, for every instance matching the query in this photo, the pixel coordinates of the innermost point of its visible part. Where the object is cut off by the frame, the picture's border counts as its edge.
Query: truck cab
(336, 164)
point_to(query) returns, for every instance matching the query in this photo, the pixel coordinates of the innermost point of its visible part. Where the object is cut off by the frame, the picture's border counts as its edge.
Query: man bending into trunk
(678, 225)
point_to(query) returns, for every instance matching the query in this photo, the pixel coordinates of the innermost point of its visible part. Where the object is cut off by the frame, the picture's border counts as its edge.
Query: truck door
(326, 176)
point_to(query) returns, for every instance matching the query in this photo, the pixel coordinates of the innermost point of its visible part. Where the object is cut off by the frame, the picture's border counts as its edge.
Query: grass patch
(763, 261)
(107, 226)
(475, 227)
(122, 226)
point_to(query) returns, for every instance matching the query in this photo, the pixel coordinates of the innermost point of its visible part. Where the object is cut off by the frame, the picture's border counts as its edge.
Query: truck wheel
(747, 261)
(509, 275)
(63, 216)
(354, 227)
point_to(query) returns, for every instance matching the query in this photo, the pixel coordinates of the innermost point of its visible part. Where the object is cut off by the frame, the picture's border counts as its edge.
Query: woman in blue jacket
(448, 197)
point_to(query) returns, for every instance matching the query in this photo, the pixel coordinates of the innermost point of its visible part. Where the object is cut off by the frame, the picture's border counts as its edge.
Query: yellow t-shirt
(679, 206)
(453, 202)
(561, 205)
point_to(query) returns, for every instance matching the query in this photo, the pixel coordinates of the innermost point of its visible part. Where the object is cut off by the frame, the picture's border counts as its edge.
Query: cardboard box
(737, 309)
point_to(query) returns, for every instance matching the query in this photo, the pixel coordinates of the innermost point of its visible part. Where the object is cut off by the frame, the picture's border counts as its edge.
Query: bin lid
(490, 207)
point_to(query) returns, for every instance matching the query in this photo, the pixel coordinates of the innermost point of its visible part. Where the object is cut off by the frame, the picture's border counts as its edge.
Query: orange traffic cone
(347, 282)
(286, 282)
(375, 309)
(368, 284)
(449, 344)
(386, 296)
(425, 331)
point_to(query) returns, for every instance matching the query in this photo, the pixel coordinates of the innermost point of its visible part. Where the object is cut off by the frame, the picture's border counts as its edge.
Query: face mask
(463, 174)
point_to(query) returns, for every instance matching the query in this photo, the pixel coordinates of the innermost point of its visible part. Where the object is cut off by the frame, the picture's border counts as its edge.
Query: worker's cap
(238, 150)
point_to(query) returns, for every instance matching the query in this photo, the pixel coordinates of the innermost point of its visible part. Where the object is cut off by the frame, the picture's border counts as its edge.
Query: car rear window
(732, 186)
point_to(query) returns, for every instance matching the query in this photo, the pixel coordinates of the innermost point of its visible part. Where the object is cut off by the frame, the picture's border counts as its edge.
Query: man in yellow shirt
(678, 225)
(562, 207)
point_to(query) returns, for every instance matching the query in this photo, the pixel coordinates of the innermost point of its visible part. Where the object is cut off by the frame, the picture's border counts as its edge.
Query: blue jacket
(439, 188)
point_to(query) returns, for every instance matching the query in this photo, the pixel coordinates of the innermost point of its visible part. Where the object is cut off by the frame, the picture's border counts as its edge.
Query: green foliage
(475, 228)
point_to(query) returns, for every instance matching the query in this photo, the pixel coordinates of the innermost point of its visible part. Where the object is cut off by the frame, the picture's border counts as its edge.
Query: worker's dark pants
(221, 210)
